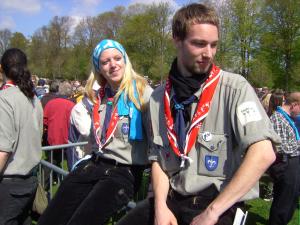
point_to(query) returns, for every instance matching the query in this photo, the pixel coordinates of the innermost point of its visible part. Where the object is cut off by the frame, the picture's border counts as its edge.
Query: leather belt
(112, 162)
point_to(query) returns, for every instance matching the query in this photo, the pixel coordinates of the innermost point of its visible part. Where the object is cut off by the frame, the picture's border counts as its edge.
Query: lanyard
(96, 120)
(8, 84)
(197, 120)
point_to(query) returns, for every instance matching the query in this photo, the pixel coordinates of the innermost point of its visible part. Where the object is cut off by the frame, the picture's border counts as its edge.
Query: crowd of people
(283, 109)
(206, 134)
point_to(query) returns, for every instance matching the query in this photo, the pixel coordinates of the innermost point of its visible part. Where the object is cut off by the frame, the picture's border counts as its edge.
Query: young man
(214, 140)
(285, 172)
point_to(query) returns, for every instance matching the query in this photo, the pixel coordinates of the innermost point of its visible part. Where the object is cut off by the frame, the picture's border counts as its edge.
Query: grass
(258, 213)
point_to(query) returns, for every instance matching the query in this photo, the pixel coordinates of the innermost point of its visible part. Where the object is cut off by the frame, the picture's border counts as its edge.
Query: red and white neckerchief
(8, 84)
(201, 112)
(96, 119)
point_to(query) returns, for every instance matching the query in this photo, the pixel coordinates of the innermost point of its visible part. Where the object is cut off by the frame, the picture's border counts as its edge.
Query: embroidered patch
(211, 162)
(248, 112)
(125, 128)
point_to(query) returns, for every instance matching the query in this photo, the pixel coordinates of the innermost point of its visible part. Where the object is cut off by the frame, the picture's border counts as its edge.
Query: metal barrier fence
(47, 169)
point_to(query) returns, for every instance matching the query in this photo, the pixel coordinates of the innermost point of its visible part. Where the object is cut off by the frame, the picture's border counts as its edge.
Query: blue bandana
(103, 45)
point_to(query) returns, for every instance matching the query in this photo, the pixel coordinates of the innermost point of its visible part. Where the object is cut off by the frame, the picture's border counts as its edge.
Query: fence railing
(47, 169)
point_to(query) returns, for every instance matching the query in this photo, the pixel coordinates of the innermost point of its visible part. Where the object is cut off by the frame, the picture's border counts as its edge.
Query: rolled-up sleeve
(7, 127)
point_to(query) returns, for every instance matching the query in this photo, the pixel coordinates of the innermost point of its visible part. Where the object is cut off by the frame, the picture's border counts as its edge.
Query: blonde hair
(127, 85)
(88, 88)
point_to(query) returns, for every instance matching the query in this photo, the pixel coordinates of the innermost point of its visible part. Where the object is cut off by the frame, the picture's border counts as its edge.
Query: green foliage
(18, 40)
(258, 39)
(146, 37)
(258, 213)
(281, 40)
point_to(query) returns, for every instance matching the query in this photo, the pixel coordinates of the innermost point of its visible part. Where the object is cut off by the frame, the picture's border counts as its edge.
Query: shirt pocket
(167, 159)
(122, 129)
(212, 155)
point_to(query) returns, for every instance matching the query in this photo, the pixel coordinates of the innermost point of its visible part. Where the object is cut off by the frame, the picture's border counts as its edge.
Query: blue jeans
(16, 198)
(91, 194)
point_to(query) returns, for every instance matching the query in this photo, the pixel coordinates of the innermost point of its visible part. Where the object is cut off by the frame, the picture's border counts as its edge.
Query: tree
(282, 40)
(108, 24)
(18, 40)
(146, 37)
(59, 41)
(239, 33)
(39, 52)
(5, 36)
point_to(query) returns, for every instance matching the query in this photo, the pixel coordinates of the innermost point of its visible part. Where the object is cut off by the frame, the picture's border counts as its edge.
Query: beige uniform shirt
(21, 129)
(235, 121)
(120, 148)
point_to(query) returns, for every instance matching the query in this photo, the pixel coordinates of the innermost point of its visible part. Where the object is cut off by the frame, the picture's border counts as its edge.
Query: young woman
(20, 139)
(103, 184)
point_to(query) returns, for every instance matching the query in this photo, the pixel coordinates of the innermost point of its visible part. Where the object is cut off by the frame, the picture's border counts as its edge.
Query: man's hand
(207, 217)
(259, 157)
(3, 160)
(164, 216)
(160, 181)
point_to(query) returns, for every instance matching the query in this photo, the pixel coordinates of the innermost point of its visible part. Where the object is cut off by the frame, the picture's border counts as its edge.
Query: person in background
(65, 90)
(297, 122)
(265, 98)
(81, 122)
(20, 139)
(78, 91)
(103, 184)
(276, 99)
(53, 92)
(285, 171)
(41, 88)
(57, 120)
(211, 137)
(34, 79)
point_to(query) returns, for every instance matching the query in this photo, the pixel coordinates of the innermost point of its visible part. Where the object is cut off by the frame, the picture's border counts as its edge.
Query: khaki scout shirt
(120, 148)
(21, 129)
(235, 121)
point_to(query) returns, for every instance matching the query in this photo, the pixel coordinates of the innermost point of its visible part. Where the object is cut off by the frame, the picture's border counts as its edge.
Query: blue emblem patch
(211, 162)
(125, 128)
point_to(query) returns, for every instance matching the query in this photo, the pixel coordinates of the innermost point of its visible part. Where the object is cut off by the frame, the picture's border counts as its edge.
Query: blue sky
(27, 16)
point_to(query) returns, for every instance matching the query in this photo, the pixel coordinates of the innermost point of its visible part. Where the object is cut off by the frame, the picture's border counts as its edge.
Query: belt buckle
(195, 200)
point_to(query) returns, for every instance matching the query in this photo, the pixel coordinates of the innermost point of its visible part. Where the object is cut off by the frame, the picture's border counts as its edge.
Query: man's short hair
(192, 14)
(54, 85)
(65, 88)
(41, 82)
(292, 98)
